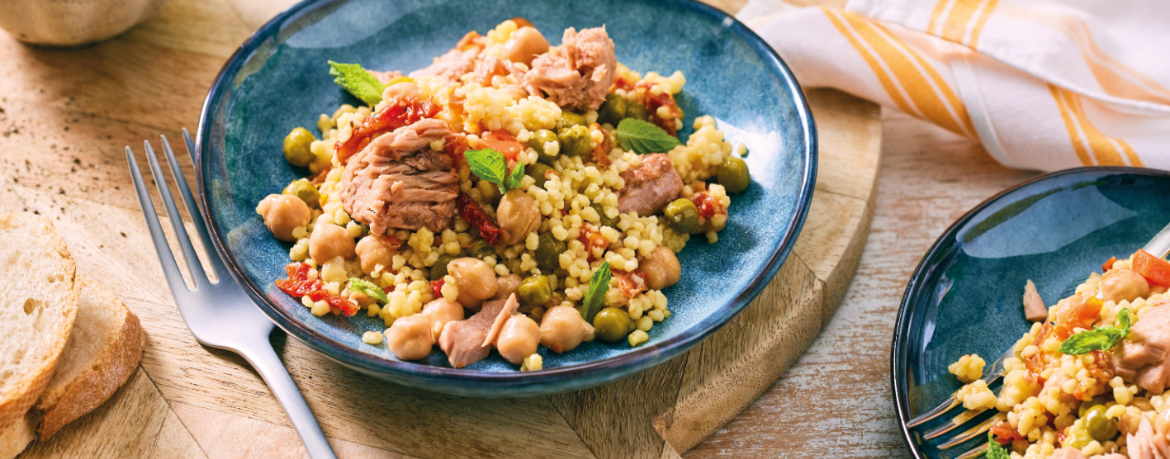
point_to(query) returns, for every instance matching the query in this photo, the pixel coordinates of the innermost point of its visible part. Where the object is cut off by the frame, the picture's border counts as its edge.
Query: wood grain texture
(835, 401)
(65, 119)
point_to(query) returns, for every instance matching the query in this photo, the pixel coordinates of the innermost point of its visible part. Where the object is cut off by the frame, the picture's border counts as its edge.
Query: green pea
(439, 269)
(537, 171)
(481, 249)
(605, 221)
(305, 190)
(1098, 400)
(733, 175)
(576, 141)
(548, 252)
(570, 119)
(534, 291)
(682, 215)
(538, 141)
(612, 324)
(613, 110)
(637, 111)
(296, 147)
(1100, 426)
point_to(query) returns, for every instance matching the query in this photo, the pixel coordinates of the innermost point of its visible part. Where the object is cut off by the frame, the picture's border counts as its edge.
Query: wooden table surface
(835, 401)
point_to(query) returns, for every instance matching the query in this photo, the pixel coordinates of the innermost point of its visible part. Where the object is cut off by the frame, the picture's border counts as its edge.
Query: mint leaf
(516, 176)
(1097, 339)
(490, 165)
(643, 137)
(362, 84)
(995, 450)
(598, 286)
(367, 288)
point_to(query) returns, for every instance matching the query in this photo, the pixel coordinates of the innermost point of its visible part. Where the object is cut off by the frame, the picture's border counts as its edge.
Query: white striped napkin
(1044, 85)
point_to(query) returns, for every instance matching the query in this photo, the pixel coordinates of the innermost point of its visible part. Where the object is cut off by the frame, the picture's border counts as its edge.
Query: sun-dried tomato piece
(591, 237)
(475, 216)
(298, 285)
(396, 114)
(437, 287)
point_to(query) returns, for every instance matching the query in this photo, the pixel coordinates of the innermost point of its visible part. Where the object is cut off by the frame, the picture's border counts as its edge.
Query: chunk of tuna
(650, 186)
(1034, 309)
(398, 181)
(1146, 444)
(1147, 345)
(1067, 453)
(577, 74)
(450, 66)
(468, 341)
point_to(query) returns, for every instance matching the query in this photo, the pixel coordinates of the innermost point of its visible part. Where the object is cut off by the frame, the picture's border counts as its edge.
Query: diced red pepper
(1005, 433)
(397, 113)
(631, 283)
(437, 287)
(504, 143)
(591, 238)
(1152, 268)
(1105, 267)
(475, 216)
(1081, 312)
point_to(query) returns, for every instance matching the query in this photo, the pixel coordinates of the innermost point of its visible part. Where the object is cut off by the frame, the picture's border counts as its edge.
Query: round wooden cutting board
(65, 119)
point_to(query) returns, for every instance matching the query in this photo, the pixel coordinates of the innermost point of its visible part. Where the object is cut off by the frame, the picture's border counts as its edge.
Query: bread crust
(15, 438)
(93, 386)
(14, 404)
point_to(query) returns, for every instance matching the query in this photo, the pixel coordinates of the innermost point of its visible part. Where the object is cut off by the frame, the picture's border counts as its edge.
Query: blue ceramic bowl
(966, 295)
(279, 80)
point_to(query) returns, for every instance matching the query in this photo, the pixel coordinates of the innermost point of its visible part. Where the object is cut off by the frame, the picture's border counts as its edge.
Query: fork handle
(264, 359)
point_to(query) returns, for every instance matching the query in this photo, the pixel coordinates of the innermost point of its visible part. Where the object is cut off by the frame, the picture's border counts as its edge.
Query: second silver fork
(220, 314)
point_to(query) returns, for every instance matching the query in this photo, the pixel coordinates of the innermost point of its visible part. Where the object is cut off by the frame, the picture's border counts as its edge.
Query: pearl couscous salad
(510, 195)
(1089, 378)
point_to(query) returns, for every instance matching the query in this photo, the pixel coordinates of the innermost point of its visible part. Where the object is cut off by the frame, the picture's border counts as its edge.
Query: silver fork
(219, 313)
(1158, 246)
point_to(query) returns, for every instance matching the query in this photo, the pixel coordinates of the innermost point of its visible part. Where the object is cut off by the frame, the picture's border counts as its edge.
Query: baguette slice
(101, 354)
(17, 436)
(38, 304)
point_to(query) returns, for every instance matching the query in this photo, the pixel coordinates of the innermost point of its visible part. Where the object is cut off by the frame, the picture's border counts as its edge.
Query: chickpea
(410, 337)
(1123, 284)
(282, 214)
(506, 286)
(661, 268)
(518, 339)
(329, 241)
(439, 312)
(562, 329)
(525, 44)
(475, 280)
(518, 214)
(373, 251)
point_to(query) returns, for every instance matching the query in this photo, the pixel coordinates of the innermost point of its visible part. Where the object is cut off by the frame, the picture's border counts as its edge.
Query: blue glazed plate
(279, 80)
(966, 295)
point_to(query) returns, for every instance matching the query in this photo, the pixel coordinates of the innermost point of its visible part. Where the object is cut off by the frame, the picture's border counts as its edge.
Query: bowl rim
(899, 348)
(516, 384)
